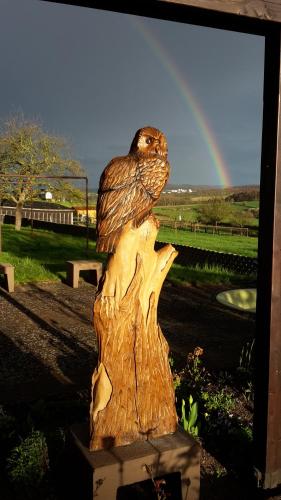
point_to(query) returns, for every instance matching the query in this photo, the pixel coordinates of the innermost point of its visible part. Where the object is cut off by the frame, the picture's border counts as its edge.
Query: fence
(75, 230)
(204, 228)
(207, 228)
(58, 216)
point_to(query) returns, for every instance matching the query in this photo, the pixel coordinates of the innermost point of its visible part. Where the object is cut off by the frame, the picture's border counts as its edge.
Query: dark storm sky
(96, 77)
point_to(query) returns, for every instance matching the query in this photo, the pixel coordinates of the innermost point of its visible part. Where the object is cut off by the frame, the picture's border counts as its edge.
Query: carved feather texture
(130, 186)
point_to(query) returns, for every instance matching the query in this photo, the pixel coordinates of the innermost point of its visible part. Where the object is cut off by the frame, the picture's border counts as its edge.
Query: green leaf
(193, 414)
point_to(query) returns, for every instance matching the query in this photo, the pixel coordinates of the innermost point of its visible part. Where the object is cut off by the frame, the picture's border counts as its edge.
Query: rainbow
(185, 90)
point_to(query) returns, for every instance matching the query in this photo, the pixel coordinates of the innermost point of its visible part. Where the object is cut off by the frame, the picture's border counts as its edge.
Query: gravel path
(48, 345)
(46, 339)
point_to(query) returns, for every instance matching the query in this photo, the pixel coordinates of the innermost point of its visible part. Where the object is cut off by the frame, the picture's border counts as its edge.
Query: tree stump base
(108, 470)
(132, 387)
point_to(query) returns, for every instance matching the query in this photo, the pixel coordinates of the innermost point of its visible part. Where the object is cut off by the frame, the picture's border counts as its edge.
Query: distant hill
(201, 187)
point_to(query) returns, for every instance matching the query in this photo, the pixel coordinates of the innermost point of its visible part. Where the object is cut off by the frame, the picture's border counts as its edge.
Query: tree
(242, 218)
(214, 211)
(25, 149)
(246, 195)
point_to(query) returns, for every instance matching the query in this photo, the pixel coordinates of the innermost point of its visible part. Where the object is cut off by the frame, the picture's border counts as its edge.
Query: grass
(207, 275)
(247, 204)
(189, 212)
(41, 255)
(240, 245)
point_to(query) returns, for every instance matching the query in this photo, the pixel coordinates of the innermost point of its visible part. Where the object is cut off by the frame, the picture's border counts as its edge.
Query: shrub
(29, 462)
(221, 400)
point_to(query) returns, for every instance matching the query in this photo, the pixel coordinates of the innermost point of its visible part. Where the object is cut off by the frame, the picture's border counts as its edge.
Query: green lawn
(208, 275)
(241, 245)
(41, 255)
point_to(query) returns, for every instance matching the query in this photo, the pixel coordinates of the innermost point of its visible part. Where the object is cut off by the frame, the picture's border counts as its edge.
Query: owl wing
(154, 173)
(125, 193)
(119, 172)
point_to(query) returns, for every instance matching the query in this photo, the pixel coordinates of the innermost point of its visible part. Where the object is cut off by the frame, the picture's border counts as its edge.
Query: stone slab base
(124, 465)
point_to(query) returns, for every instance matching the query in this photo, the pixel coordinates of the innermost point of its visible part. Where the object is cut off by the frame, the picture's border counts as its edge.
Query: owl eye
(148, 140)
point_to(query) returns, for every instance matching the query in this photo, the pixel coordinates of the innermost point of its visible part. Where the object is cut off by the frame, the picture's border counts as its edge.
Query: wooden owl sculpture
(130, 186)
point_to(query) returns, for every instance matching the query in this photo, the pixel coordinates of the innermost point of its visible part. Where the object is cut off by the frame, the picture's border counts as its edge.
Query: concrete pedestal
(139, 461)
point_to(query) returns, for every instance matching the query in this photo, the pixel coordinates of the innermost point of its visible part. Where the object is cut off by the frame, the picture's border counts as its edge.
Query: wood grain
(132, 393)
(269, 10)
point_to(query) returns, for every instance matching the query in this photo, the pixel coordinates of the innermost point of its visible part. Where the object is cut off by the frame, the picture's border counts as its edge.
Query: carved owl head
(149, 140)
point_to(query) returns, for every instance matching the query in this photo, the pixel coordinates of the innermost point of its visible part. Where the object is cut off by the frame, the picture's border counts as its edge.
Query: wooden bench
(8, 271)
(75, 266)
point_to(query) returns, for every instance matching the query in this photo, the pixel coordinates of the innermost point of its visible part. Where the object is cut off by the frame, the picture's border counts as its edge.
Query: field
(247, 204)
(41, 255)
(172, 213)
(189, 212)
(240, 245)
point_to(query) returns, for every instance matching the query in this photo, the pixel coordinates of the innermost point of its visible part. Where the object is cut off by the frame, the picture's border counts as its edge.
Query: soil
(48, 347)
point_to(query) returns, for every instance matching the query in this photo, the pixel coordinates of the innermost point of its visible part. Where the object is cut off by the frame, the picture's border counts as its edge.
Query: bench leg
(9, 279)
(96, 275)
(75, 276)
(72, 275)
